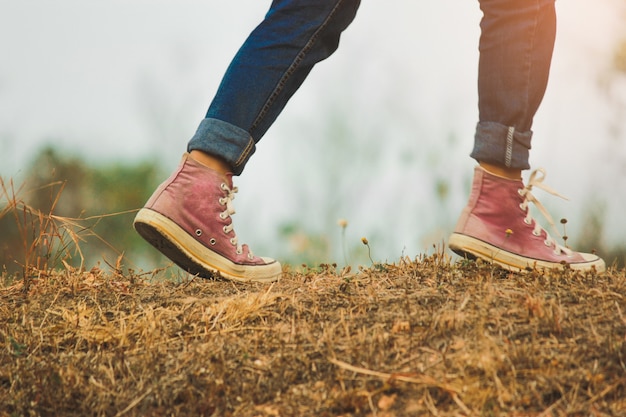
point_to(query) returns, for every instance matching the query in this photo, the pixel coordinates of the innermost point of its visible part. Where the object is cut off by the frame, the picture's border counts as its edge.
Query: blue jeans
(516, 43)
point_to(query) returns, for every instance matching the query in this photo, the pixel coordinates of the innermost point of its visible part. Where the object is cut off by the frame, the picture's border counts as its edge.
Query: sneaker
(496, 226)
(188, 219)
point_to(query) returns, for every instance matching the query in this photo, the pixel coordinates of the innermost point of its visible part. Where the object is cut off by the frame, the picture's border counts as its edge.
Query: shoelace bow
(230, 210)
(536, 180)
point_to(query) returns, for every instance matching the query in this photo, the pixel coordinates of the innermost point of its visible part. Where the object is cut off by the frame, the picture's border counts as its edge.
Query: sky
(131, 79)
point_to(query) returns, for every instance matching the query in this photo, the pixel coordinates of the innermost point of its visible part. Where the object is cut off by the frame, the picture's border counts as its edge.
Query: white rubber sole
(171, 240)
(467, 246)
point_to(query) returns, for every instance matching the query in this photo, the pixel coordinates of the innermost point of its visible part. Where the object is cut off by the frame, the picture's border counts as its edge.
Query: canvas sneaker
(188, 219)
(496, 226)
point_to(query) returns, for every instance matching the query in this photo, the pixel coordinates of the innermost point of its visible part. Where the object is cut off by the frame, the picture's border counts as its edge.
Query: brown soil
(422, 337)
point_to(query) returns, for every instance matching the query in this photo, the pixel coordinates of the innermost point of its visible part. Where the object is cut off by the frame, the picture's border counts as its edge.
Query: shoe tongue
(229, 180)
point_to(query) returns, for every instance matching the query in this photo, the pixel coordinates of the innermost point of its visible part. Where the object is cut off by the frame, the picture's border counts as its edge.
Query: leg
(516, 47)
(268, 69)
(188, 218)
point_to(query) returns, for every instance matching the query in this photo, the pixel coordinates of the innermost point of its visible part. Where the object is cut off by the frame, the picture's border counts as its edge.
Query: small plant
(369, 250)
(564, 237)
(343, 223)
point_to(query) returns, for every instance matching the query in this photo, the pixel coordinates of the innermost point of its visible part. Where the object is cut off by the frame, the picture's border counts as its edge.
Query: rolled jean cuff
(224, 140)
(501, 145)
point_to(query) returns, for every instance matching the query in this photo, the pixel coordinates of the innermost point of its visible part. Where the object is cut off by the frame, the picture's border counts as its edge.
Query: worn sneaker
(496, 226)
(188, 219)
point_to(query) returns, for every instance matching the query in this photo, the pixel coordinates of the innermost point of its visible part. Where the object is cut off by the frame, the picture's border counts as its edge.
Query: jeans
(516, 43)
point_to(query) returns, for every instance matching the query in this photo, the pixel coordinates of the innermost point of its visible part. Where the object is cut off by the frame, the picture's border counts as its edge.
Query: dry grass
(44, 240)
(422, 337)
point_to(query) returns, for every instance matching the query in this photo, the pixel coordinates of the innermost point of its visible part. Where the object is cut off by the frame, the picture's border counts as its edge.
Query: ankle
(505, 172)
(215, 163)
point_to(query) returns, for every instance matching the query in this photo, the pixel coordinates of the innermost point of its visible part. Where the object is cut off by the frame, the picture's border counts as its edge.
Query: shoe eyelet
(225, 229)
(536, 234)
(198, 232)
(223, 186)
(547, 243)
(233, 241)
(528, 221)
(222, 201)
(223, 215)
(239, 252)
(212, 241)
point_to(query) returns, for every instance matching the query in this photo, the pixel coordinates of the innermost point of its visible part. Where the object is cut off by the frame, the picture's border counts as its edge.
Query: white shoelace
(536, 180)
(230, 210)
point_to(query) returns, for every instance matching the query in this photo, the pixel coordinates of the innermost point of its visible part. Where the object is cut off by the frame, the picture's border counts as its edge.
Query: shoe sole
(473, 248)
(186, 252)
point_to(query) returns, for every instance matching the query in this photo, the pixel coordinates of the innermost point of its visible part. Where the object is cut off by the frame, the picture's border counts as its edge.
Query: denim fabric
(516, 46)
(268, 69)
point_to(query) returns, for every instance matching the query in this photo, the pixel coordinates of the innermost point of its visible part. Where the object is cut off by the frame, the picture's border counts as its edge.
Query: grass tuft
(47, 240)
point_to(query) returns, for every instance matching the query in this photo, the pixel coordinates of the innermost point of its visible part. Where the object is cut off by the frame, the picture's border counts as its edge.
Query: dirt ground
(420, 337)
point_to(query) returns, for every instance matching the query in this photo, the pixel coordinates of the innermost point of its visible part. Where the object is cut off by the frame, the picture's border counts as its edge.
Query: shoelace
(230, 210)
(536, 180)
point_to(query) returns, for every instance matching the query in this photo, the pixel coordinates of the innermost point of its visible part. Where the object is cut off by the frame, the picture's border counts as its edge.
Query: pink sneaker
(188, 220)
(496, 226)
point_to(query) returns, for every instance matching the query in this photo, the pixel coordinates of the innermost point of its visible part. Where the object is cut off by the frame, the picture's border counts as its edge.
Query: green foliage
(592, 237)
(92, 207)
(303, 247)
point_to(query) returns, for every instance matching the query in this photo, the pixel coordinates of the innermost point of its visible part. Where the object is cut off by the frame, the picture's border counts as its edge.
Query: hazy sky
(85, 73)
(132, 78)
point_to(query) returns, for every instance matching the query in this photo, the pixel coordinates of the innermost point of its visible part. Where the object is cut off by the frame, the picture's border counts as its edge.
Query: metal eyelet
(198, 232)
(212, 241)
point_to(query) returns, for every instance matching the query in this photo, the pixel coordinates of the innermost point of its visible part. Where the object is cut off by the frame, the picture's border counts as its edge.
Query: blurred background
(99, 98)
